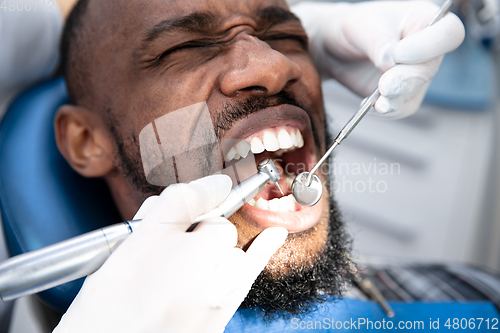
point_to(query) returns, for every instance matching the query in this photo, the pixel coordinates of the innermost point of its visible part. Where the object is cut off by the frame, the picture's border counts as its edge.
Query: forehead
(223, 8)
(139, 15)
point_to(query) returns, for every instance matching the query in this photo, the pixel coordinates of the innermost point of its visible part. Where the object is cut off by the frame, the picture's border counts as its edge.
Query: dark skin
(141, 74)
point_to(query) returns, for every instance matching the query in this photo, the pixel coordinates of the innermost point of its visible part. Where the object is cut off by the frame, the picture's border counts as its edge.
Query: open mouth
(286, 138)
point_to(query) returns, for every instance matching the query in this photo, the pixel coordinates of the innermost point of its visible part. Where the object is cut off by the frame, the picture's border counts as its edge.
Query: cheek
(169, 91)
(312, 87)
(310, 90)
(158, 97)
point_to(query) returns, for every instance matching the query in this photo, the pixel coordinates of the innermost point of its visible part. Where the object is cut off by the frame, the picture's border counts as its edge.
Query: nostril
(255, 89)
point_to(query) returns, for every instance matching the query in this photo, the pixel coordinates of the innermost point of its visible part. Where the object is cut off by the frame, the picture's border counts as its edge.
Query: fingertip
(278, 234)
(456, 26)
(269, 241)
(196, 198)
(389, 84)
(206, 193)
(221, 182)
(401, 107)
(383, 106)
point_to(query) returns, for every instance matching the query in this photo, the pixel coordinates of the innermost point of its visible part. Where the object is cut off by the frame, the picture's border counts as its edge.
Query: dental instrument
(306, 187)
(42, 269)
(246, 190)
(366, 285)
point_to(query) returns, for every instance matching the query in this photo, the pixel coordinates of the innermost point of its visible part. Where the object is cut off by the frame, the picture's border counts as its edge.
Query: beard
(329, 273)
(299, 291)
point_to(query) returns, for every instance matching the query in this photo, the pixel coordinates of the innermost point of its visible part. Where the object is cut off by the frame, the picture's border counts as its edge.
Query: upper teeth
(269, 142)
(239, 150)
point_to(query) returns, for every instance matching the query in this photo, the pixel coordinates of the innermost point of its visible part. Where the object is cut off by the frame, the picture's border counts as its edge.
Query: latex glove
(162, 279)
(357, 43)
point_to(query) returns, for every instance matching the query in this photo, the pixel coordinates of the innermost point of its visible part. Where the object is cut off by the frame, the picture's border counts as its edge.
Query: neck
(126, 198)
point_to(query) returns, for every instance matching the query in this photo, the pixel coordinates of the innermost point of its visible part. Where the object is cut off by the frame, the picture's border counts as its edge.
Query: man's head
(128, 63)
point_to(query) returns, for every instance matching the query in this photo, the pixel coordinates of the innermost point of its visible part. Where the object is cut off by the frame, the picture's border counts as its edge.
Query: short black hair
(74, 52)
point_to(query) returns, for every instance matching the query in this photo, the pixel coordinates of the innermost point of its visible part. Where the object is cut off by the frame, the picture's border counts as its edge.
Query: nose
(254, 66)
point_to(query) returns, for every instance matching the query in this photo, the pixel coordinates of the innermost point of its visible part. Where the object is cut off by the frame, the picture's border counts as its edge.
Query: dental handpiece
(306, 187)
(48, 267)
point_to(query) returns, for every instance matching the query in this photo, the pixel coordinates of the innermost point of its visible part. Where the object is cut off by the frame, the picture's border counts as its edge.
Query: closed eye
(302, 40)
(184, 46)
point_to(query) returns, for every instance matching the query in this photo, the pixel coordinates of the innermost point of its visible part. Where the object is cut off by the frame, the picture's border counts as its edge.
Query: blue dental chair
(42, 200)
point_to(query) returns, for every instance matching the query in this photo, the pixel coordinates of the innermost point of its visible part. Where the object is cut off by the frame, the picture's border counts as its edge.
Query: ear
(82, 139)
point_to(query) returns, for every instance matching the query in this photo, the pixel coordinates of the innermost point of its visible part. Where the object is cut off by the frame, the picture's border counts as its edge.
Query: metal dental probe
(42, 269)
(306, 187)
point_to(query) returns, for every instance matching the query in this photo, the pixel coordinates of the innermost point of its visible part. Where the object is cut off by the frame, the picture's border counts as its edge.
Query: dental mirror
(304, 194)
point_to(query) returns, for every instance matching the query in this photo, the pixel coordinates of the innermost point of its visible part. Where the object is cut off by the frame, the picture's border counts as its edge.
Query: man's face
(248, 60)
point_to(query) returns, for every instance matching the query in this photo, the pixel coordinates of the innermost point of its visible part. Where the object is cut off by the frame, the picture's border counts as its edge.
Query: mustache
(233, 112)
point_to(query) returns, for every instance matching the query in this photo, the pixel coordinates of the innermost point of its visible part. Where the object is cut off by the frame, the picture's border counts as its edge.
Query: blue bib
(355, 315)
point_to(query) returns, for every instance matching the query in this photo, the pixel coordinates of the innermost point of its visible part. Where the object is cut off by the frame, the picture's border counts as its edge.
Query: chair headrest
(42, 200)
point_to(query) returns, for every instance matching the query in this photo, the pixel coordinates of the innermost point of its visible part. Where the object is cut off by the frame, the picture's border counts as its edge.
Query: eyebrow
(274, 15)
(197, 22)
(206, 22)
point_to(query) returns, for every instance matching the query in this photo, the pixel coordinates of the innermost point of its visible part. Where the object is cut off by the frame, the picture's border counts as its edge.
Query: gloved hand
(357, 43)
(162, 279)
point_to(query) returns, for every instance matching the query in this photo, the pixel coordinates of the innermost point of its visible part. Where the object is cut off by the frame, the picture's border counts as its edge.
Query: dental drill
(42, 269)
(306, 187)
